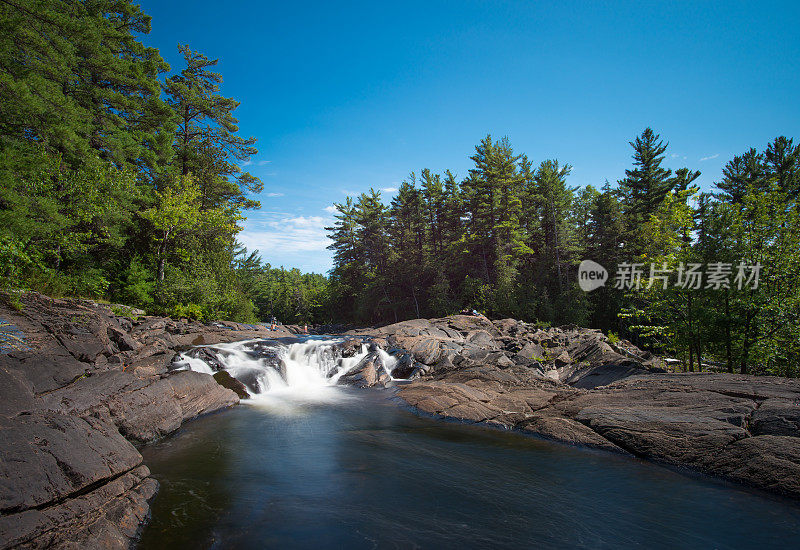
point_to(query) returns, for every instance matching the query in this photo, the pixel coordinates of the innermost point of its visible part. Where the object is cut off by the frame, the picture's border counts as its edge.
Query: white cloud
(389, 189)
(274, 194)
(331, 209)
(674, 155)
(287, 235)
(263, 162)
(299, 221)
(710, 157)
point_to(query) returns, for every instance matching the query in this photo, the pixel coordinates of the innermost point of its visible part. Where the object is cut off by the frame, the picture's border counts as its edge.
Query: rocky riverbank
(80, 384)
(574, 385)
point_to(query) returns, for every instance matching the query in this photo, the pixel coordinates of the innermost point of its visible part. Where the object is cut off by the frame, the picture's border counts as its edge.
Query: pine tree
(744, 172)
(206, 141)
(407, 232)
(646, 185)
(782, 159)
(491, 193)
(75, 78)
(605, 246)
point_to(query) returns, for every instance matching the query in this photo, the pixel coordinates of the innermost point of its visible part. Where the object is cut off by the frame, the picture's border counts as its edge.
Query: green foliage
(75, 78)
(507, 240)
(109, 191)
(206, 143)
(12, 299)
(123, 311)
(188, 311)
(136, 285)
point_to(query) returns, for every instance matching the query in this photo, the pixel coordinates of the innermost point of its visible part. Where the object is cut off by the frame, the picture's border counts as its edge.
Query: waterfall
(304, 368)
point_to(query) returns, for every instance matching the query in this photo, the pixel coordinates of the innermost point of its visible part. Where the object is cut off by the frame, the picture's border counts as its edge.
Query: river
(347, 468)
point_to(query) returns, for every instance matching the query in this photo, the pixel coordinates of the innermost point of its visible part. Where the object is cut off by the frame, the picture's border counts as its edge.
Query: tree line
(121, 180)
(508, 240)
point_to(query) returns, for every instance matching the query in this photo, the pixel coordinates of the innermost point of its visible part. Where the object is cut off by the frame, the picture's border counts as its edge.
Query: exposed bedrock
(79, 385)
(575, 385)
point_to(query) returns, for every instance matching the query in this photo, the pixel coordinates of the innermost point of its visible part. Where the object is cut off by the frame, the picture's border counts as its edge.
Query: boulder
(225, 380)
(369, 372)
(48, 456)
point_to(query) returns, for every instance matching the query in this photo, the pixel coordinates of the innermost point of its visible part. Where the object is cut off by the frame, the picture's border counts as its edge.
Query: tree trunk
(699, 354)
(728, 350)
(746, 346)
(162, 257)
(690, 329)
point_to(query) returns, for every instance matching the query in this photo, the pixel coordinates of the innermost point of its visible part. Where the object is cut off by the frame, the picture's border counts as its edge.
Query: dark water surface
(363, 473)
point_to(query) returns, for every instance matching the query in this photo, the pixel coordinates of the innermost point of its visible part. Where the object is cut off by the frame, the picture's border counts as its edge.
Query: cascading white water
(305, 370)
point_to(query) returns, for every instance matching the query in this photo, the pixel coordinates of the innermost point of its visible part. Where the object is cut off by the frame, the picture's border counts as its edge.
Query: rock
(481, 338)
(600, 375)
(350, 347)
(743, 428)
(225, 380)
(143, 410)
(153, 365)
(122, 339)
(563, 359)
(532, 351)
(48, 456)
(405, 367)
(81, 385)
(661, 433)
(777, 417)
(567, 431)
(766, 461)
(369, 372)
(16, 394)
(424, 349)
(109, 516)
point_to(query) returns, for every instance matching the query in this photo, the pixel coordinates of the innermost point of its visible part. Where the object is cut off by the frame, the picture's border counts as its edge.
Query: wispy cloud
(288, 235)
(263, 162)
(709, 157)
(331, 209)
(274, 194)
(389, 189)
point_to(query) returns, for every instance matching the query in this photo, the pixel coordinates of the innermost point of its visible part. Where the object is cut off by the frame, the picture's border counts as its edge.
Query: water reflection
(361, 473)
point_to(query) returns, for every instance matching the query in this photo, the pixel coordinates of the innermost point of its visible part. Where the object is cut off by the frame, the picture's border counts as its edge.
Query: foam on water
(284, 377)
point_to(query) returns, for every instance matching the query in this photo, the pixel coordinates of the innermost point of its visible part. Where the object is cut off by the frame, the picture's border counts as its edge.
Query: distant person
(475, 313)
(305, 329)
(274, 322)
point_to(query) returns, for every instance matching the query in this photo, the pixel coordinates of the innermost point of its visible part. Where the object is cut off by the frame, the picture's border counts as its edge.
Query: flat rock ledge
(80, 384)
(576, 386)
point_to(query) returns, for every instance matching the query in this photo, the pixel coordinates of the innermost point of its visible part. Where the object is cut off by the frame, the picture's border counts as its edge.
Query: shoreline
(93, 388)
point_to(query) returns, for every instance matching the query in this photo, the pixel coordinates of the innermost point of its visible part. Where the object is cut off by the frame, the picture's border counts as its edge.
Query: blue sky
(344, 96)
